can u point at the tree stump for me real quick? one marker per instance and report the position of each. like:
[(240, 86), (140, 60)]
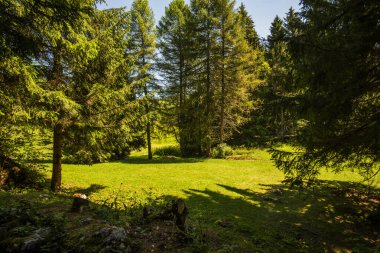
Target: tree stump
[(80, 200), (180, 213)]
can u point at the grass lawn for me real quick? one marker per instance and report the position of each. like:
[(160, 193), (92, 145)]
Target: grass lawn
[(242, 205)]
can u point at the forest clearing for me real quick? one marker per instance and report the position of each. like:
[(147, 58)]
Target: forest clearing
[(234, 206), (189, 126)]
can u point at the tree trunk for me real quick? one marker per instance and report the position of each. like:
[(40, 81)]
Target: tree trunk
[(150, 155), (223, 95), (57, 158), (208, 89)]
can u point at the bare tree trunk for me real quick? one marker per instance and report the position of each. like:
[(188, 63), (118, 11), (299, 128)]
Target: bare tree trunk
[(148, 126), (57, 158), (208, 89), (223, 94), (148, 130), (57, 79)]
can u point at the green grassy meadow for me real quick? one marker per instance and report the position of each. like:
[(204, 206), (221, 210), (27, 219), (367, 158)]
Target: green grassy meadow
[(241, 205), (234, 205)]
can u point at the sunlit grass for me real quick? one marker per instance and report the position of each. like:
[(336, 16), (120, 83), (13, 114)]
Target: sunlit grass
[(241, 192)]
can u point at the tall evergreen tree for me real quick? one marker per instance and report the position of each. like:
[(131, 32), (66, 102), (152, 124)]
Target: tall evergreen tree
[(205, 20), (280, 80), (36, 37), (175, 65), (223, 69), (248, 27), (86, 70), (143, 47), (337, 90), (236, 69)]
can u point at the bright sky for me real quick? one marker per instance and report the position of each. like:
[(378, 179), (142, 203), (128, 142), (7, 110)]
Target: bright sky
[(261, 11)]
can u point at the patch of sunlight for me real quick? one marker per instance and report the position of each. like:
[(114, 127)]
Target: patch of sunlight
[(304, 209)]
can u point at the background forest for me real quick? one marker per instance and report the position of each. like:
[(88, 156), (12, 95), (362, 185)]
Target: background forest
[(94, 85)]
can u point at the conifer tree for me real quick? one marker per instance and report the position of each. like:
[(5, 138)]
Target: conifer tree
[(143, 46), (235, 67), (175, 65), (279, 81), (337, 89), (248, 27), (86, 71), (36, 38)]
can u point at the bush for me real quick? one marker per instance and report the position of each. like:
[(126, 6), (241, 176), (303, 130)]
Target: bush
[(15, 174), (221, 151), (167, 151)]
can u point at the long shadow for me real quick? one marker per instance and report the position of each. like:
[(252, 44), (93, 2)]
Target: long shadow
[(161, 160), (93, 188), (330, 217)]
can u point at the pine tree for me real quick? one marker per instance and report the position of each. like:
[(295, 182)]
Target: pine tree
[(279, 80), (248, 27), (335, 55), (32, 31), (143, 47), (235, 69), (225, 69), (175, 65)]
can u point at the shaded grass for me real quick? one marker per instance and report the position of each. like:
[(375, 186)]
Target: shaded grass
[(241, 206)]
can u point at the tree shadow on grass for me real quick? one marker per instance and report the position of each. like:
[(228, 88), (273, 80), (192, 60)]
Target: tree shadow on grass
[(160, 160), (330, 217), (93, 188)]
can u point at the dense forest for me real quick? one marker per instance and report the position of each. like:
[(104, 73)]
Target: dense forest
[(90, 86)]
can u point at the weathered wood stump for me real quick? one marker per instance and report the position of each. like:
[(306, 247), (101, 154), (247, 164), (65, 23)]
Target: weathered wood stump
[(180, 213), (80, 200)]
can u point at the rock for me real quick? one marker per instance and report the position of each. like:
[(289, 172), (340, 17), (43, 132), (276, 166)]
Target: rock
[(34, 241), (112, 235), (225, 223), (112, 239), (116, 235), (86, 221)]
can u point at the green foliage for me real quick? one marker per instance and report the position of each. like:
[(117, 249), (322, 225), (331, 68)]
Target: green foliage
[(25, 175), (167, 151), (221, 151), (272, 119), (209, 67), (143, 47), (334, 46)]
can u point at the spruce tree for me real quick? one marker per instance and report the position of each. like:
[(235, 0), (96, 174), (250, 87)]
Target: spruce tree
[(143, 47), (335, 55), (175, 65), (33, 33), (248, 27), (236, 68)]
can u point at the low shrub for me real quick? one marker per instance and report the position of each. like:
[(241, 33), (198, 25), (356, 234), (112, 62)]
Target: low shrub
[(17, 175), (167, 151), (221, 151)]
